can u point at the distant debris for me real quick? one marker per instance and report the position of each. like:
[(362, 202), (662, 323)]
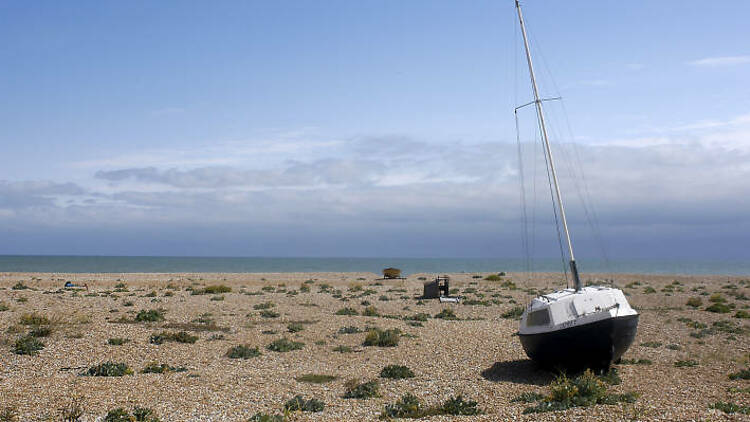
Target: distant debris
[(439, 289), (392, 273)]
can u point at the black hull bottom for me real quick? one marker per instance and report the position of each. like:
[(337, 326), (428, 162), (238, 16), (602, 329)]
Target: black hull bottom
[(596, 345)]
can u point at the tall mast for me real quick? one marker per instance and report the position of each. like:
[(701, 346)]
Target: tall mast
[(543, 129)]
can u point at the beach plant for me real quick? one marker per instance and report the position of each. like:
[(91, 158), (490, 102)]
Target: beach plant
[(458, 406), (717, 298), (117, 341), (108, 369), (396, 372), (140, 414), (347, 311), (719, 308), (243, 351), (649, 290), (118, 415), (343, 349), (365, 390), (73, 411), (584, 390), (513, 313), (446, 313), (742, 314), (528, 397), (295, 327), (382, 338), (493, 277), (371, 311), (299, 404), (349, 330), (267, 313), (177, 337), (157, 368), (3, 307), (285, 345), (19, 286), (685, 363), (729, 407), (33, 319), (263, 305), (743, 374), (212, 290), (27, 345), (316, 378), (651, 344), (409, 406), (152, 315), (41, 331), (265, 417), (694, 302)]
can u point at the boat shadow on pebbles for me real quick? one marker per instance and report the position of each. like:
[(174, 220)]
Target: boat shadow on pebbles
[(519, 372)]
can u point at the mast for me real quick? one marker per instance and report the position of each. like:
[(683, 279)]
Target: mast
[(543, 129)]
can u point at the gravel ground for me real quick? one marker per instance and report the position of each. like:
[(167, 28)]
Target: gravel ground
[(477, 356)]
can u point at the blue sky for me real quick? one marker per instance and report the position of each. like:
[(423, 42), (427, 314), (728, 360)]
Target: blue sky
[(292, 128)]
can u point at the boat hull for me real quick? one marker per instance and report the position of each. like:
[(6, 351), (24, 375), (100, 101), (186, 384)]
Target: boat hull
[(595, 345)]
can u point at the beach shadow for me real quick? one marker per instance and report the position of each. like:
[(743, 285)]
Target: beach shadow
[(519, 372)]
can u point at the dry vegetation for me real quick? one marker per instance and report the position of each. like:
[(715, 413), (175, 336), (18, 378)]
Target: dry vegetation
[(305, 347)]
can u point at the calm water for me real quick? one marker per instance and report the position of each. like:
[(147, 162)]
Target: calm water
[(163, 264)]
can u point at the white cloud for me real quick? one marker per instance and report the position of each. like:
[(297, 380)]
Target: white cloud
[(720, 61)]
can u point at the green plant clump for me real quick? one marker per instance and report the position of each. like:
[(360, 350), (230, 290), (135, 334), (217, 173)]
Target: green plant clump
[(285, 345), (694, 302), (719, 308), (108, 369), (409, 406), (156, 368), (513, 313), (266, 313), (212, 290), (584, 390), (347, 311), (382, 338), (364, 390), (117, 341), (316, 378), (265, 417), (741, 375), (446, 313), (298, 403), (153, 315), (396, 372), (685, 363), (728, 407), (140, 414), (243, 352), (27, 345), (178, 337)]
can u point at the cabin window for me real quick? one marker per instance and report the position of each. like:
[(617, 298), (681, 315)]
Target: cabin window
[(540, 317)]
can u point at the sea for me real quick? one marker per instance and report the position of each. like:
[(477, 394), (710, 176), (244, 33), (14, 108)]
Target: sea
[(184, 264)]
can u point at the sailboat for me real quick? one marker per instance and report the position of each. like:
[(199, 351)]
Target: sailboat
[(580, 327)]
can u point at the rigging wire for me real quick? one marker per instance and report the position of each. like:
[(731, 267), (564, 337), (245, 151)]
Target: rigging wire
[(525, 237), (584, 194)]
